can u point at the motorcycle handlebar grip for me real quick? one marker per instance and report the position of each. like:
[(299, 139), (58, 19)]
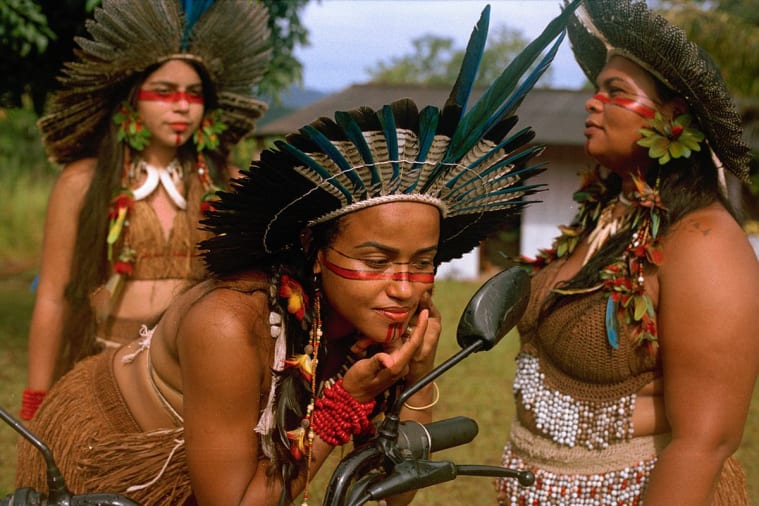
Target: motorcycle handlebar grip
[(451, 432), (420, 440)]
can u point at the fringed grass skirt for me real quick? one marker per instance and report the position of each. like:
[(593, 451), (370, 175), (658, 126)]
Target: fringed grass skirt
[(99, 447), (577, 476)]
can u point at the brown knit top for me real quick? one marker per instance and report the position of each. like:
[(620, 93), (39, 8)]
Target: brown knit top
[(175, 257), (571, 344)]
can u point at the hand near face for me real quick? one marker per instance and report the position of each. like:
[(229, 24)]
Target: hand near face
[(424, 359), (371, 376)]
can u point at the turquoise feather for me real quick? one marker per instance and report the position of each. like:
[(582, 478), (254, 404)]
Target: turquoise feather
[(475, 48), (612, 327), (355, 135), (332, 152), (472, 125), (192, 9), (306, 160)]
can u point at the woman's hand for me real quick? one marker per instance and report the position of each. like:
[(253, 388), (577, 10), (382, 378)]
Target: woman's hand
[(424, 359), (371, 376)]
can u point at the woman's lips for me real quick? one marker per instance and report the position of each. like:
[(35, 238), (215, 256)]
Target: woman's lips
[(179, 127), (394, 315)]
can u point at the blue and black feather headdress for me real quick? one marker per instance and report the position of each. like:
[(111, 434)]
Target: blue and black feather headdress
[(466, 162)]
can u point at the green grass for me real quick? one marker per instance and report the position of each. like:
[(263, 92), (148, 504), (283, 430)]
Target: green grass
[(479, 388)]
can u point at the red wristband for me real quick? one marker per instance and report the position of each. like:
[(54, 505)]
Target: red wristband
[(30, 401), (338, 416)]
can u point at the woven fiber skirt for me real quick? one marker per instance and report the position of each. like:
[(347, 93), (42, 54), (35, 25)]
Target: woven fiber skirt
[(97, 444)]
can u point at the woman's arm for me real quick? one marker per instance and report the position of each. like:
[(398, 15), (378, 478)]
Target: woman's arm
[(708, 324), (45, 339), (222, 344)]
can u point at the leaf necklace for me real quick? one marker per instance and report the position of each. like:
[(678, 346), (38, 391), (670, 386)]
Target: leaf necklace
[(623, 279)]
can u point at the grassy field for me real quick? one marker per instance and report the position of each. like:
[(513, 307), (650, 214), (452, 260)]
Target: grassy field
[(479, 388)]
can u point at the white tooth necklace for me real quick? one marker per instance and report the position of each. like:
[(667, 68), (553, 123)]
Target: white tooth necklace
[(168, 177)]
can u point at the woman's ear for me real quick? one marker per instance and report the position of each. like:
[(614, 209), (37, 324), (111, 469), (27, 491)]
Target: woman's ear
[(317, 267)]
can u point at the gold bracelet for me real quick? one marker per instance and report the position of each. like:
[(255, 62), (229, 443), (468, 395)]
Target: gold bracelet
[(426, 406)]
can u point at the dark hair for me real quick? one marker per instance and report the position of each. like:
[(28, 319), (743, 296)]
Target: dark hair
[(293, 392), (89, 264)]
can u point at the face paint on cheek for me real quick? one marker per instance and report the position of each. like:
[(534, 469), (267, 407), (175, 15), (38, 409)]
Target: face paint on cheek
[(631, 105), (394, 331), (358, 275)]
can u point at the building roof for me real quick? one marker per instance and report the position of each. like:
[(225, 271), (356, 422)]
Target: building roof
[(557, 116)]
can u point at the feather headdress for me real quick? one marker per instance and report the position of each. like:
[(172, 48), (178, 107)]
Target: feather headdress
[(603, 28), (465, 161), (229, 38)]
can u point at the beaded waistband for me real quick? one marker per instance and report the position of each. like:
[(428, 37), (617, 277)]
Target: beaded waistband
[(578, 476), (543, 453)]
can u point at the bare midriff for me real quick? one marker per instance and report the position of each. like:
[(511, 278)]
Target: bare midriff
[(649, 416), (147, 299)]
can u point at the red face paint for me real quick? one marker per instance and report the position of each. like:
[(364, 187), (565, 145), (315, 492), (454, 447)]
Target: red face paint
[(631, 105), (393, 332), (173, 96), (361, 275)]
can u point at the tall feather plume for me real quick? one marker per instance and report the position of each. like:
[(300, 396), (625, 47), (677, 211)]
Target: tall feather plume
[(475, 123), (466, 163)]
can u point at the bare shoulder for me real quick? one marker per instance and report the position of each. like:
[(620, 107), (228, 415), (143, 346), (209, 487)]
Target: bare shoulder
[(708, 248), (77, 175), (225, 313)]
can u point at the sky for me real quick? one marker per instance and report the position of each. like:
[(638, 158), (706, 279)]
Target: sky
[(349, 36)]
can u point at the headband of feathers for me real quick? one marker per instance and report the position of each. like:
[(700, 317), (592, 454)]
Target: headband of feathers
[(463, 160), (229, 38)]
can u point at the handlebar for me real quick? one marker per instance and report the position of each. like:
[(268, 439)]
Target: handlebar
[(415, 443), (58, 493)]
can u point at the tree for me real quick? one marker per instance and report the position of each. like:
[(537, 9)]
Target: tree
[(37, 36), (435, 61), (729, 31)]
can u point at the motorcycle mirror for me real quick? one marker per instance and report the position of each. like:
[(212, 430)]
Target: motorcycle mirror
[(494, 309)]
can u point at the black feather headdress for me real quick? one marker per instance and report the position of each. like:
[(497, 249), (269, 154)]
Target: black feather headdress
[(465, 161), (603, 28)]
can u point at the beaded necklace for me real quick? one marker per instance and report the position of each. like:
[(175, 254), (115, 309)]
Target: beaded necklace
[(623, 280)]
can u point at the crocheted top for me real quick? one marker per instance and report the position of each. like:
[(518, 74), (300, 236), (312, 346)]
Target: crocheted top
[(175, 256), (575, 355)]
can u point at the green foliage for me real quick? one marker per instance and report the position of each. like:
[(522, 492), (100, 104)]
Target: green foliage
[(729, 31), (23, 27), (287, 32), (435, 60), (21, 150)]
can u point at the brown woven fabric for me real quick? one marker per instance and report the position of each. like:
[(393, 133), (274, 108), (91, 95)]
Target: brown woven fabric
[(605, 27), (176, 257), (117, 331), (572, 345), (97, 444)]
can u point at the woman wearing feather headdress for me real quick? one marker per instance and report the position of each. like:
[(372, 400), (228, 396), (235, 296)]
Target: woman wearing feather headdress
[(143, 124), (639, 347), (319, 311)]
